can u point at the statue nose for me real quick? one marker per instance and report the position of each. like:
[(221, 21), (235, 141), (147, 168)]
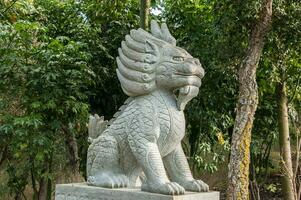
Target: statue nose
[(199, 69), (197, 61)]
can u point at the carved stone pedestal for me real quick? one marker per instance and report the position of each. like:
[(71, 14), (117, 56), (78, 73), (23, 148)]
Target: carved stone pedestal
[(80, 191)]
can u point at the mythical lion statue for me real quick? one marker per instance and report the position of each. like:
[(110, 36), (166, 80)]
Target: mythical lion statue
[(144, 137)]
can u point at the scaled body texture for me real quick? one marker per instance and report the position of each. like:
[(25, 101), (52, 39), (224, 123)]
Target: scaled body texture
[(144, 137)]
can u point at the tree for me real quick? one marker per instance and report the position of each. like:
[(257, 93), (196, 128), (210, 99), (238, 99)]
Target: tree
[(238, 187), (58, 62), (198, 26), (284, 138), (282, 60), (47, 79), (75, 44), (144, 13)]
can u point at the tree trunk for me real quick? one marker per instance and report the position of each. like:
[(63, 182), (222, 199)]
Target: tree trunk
[(43, 189), (49, 181), (71, 144), (3, 154), (144, 13), (284, 142), (238, 186), (35, 195), (43, 193), (74, 162)]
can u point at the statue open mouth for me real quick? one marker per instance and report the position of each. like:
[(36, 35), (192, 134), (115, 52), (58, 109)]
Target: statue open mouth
[(200, 75), (186, 93)]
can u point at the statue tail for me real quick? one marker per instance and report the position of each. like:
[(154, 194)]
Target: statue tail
[(96, 126)]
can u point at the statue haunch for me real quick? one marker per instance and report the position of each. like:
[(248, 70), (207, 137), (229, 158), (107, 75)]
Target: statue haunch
[(144, 137)]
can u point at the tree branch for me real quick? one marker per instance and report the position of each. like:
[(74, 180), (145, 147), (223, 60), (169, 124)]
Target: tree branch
[(8, 7)]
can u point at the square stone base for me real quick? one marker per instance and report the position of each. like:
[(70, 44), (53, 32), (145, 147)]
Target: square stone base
[(81, 191)]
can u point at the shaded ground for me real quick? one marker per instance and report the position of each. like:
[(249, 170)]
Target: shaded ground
[(270, 190)]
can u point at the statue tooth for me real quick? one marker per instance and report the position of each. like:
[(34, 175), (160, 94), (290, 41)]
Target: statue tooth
[(186, 93)]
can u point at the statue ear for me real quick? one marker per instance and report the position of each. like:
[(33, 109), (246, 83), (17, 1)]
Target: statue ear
[(167, 36), (151, 47), (155, 29)]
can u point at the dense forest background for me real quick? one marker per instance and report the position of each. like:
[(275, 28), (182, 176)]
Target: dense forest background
[(57, 66)]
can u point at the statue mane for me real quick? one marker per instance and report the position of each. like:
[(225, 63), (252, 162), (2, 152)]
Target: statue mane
[(138, 58)]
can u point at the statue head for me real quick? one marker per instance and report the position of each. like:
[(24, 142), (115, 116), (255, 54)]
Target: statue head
[(150, 61)]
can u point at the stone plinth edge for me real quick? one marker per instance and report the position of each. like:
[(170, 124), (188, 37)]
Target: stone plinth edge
[(81, 191)]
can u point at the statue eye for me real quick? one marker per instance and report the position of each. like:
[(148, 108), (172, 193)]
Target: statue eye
[(178, 58)]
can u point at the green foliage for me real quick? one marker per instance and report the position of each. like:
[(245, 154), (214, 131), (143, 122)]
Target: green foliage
[(210, 156), (201, 30), (281, 56), (58, 64), (217, 32), (44, 90), (272, 187), (58, 57), (112, 20)]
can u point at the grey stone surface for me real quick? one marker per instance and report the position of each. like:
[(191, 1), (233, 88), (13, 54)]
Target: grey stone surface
[(80, 191), (144, 137)]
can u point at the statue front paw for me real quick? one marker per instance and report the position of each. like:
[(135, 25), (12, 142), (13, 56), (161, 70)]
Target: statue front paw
[(108, 180), (169, 188), (195, 186)]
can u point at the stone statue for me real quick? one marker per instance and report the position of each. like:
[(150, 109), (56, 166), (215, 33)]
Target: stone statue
[(144, 136)]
